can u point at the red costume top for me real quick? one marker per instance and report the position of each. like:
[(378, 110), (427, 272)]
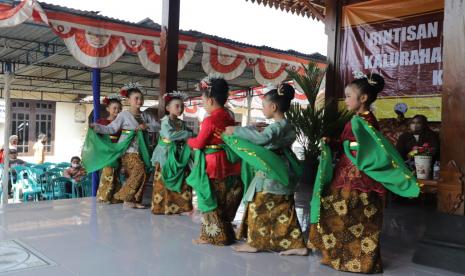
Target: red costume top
[(114, 137), (218, 166), (346, 174)]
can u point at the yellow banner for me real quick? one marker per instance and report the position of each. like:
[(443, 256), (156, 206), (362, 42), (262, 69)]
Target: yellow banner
[(430, 106)]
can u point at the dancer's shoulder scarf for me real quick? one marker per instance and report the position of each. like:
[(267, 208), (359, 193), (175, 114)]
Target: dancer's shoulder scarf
[(376, 157), (99, 151), (173, 170)]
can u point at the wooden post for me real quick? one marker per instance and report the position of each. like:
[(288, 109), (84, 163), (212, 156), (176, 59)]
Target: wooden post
[(333, 31), (453, 101), (169, 41)]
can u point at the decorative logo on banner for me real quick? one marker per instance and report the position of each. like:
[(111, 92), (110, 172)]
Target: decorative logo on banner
[(402, 41)]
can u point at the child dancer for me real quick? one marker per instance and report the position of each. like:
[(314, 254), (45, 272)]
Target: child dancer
[(213, 176), (270, 220), (133, 119), (109, 182), (351, 214), (170, 194)]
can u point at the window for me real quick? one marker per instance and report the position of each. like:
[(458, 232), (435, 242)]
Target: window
[(29, 119)]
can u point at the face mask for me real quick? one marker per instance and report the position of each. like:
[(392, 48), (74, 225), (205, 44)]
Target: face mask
[(74, 165)]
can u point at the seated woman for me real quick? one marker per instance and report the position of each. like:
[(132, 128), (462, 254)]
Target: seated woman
[(76, 171), (418, 135)]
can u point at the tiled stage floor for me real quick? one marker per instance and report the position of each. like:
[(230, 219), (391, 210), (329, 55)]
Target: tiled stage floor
[(85, 238)]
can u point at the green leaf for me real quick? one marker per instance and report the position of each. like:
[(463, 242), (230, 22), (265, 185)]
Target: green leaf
[(312, 123)]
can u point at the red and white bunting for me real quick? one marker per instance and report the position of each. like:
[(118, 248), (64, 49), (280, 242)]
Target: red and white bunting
[(238, 98), (99, 47), (13, 16), (222, 60), (232, 61), (99, 43), (149, 55)]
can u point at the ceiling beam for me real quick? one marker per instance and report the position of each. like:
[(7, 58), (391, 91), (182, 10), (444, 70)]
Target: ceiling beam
[(313, 10)]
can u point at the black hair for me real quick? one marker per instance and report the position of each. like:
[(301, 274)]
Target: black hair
[(421, 117), (75, 158), (282, 96), (169, 100), (218, 90), (133, 90), (371, 86), (113, 100)]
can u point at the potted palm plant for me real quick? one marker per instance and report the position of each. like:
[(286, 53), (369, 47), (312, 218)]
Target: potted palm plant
[(311, 122)]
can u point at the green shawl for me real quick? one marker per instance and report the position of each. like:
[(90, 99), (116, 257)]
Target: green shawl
[(376, 157), (174, 168), (323, 178), (99, 152), (198, 180), (257, 158), (254, 157)]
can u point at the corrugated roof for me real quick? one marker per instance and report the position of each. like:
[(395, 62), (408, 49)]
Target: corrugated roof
[(150, 24), (43, 63)]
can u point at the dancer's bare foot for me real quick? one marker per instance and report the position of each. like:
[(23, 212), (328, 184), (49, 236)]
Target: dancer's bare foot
[(139, 206), (134, 205), (199, 241), (128, 204), (115, 201), (244, 248), (298, 252)]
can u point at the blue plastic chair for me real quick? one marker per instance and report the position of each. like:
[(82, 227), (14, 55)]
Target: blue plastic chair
[(38, 174), (64, 165), (27, 185), (47, 191), (16, 176), (60, 185), (48, 188), (49, 165), (41, 167), (83, 188), (55, 171)]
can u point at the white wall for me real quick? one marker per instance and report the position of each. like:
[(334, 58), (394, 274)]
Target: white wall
[(69, 135)]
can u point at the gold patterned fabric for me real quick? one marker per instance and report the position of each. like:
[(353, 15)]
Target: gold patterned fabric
[(216, 226), (168, 202), (348, 234), (133, 188), (270, 223), (108, 186)]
